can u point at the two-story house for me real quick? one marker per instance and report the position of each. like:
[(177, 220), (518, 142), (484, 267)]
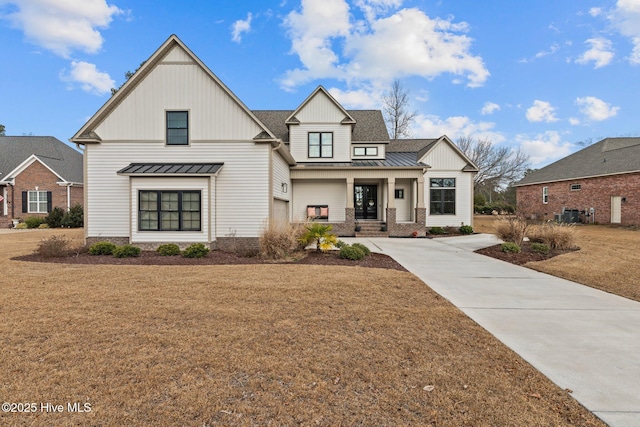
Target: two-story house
[(175, 156)]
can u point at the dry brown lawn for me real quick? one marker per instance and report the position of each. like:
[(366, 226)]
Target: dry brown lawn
[(254, 345), (608, 259)]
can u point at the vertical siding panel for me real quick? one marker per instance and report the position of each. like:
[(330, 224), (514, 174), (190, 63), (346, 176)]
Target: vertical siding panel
[(315, 192), (298, 142)]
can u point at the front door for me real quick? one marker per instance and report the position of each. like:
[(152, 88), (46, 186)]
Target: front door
[(366, 201), (616, 209)]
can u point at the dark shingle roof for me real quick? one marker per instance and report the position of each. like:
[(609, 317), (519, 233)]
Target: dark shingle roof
[(369, 127), (392, 160), (171, 169), (58, 156), (607, 157)]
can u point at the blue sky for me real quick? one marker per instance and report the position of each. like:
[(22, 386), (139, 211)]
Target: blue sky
[(543, 76)]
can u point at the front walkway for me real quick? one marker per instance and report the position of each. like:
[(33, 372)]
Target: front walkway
[(581, 338)]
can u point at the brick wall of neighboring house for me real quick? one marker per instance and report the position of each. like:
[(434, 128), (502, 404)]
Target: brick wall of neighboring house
[(77, 195), (37, 175), (594, 193)]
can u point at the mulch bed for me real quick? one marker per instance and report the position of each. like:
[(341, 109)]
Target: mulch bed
[(375, 260), (526, 254)]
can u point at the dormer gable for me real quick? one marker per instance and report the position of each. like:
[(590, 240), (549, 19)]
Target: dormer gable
[(320, 107)]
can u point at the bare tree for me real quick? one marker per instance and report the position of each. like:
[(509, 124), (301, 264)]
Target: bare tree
[(497, 166), (396, 113)]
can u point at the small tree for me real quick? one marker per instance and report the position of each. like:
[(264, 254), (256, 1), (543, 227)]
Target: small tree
[(74, 217), (2, 130), (319, 234)]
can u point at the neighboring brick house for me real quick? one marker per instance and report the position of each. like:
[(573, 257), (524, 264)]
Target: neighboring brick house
[(37, 173), (600, 183)]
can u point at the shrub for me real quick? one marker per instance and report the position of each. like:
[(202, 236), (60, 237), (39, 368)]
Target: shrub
[(511, 229), (74, 217), (126, 251), (365, 250), (43, 225), (556, 236), (21, 226), (34, 221), (510, 247), (540, 248), (437, 230), (54, 219), (197, 250), (319, 234), (168, 249), (102, 248), (54, 246), (466, 229), (339, 244), (352, 253), (280, 239)]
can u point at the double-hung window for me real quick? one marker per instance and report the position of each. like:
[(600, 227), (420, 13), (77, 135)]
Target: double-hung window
[(169, 211), (37, 202), (442, 196), (321, 144), (545, 195), (177, 128)]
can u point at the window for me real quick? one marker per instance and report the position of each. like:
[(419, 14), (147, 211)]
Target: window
[(442, 196), (545, 195), (365, 151), (38, 202), (169, 211), (576, 187), (400, 193), (320, 144), (177, 128)]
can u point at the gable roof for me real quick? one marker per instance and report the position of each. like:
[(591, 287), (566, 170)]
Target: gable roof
[(292, 117), (611, 156), (369, 124), (61, 159), (421, 147), (86, 134)]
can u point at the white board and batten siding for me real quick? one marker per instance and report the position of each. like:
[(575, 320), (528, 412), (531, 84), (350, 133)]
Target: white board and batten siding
[(404, 206), (447, 163), (319, 192), (241, 203), (281, 182), (177, 83)]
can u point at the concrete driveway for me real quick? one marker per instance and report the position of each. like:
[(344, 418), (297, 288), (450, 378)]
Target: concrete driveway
[(583, 339)]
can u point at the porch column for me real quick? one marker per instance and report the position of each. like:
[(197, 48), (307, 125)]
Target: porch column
[(391, 192), (350, 193), (421, 192)]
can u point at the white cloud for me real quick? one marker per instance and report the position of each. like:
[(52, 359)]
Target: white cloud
[(541, 111), (596, 109), (552, 49), (330, 44), (489, 108), (454, 127), (601, 52), (62, 26), (365, 99), (239, 27), (573, 121), (595, 11), (89, 78), (625, 17), (544, 148)]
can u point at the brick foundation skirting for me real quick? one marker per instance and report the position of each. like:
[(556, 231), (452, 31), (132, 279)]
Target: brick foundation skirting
[(406, 229)]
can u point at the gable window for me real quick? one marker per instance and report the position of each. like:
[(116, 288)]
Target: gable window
[(321, 144), (442, 196), (177, 128), (169, 211), (365, 151), (37, 201), (576, 187), (545, 195)]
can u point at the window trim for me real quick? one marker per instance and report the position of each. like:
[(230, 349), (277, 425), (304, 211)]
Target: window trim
[(167, 128), (159, 210), (320, 145), (38, 201), (545, 195), (575, 187), (442, 188), (366, 149)]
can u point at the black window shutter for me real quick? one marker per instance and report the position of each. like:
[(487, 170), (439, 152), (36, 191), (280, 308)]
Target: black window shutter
[(49, 201), (25, 201)]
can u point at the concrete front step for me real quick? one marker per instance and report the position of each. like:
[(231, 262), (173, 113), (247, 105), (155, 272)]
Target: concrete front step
[(363, 233)]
